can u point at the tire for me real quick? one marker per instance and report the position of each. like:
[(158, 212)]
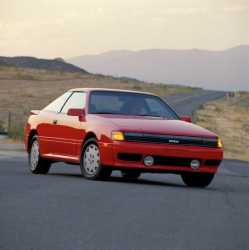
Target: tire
[(197, 179), (37, 165), (130, 174), (90, 163)]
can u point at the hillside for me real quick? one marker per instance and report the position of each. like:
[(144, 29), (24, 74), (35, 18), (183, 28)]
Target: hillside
[(219, 70), (229, 118), (23, 89), (57, 64)]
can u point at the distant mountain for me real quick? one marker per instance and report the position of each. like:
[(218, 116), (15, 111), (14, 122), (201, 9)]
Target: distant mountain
[(220, 70), (57, 64)]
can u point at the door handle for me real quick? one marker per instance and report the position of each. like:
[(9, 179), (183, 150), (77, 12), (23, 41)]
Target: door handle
[(55, 122)]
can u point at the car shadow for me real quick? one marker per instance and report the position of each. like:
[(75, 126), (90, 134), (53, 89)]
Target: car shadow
[(74, 175), (141, 181)]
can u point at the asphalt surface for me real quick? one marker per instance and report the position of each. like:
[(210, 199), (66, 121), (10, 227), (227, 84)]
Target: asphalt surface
[(62, 210), (186, 104)]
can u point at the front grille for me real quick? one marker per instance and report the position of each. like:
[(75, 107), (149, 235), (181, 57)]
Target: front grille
[(171, 139)]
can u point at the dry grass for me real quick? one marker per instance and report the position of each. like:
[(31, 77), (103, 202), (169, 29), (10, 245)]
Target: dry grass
[(229, 118), (24, 89)]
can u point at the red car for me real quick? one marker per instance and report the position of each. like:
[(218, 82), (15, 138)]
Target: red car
[(134, 132)]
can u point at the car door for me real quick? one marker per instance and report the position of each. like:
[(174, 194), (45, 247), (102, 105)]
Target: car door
[(46, 129), (69, 129)]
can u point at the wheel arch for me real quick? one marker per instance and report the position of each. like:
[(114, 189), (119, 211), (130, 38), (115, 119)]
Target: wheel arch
[(88, 136)]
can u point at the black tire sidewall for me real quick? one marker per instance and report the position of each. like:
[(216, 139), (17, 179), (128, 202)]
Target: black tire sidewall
[(197, 179)]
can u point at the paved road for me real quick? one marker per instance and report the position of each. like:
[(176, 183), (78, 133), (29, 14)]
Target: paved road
[(186, 104), (64, 211)]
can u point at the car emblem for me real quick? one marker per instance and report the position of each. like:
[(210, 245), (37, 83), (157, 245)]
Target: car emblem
[(173, 141)]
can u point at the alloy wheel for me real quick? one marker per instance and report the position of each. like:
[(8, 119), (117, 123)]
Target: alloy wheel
[(34, 155), (91, 159)]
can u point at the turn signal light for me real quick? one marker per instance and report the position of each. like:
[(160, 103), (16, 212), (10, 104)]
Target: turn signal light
[(118, 136), (219, 143)]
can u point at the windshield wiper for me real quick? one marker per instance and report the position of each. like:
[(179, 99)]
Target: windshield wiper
[(111, 113), (105, 113), (152, 116)]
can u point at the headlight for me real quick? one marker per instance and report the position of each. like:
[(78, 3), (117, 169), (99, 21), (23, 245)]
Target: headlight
[(219, 143), (117, 136)]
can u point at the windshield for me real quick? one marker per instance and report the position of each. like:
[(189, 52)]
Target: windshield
[(128, 103)]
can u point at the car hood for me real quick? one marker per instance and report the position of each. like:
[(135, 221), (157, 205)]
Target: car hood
[(157, 126)]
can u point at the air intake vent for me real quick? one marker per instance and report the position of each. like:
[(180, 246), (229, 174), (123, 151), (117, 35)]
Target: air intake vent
[(129, 157)]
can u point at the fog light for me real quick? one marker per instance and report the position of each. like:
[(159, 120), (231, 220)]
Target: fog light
[(148, 160), (195, 164)]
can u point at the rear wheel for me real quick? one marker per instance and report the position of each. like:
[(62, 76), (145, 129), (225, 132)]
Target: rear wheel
[(130, 174), (90, 163), (197, 179), (37, 165)]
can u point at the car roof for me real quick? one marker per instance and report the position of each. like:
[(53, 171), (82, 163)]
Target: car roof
[(106, 89)]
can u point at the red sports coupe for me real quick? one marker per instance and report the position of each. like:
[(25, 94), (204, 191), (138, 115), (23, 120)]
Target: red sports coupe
[(134, 132)]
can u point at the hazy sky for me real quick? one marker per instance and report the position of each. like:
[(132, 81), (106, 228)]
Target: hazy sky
[(65, 28)]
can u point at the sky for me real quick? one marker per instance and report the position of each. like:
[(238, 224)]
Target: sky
[(67, 28)]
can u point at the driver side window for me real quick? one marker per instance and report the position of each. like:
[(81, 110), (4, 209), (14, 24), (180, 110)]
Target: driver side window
[(76, 101)]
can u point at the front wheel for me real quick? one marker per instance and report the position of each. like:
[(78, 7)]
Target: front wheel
[(197, 179), (90, 163), (37, 165)]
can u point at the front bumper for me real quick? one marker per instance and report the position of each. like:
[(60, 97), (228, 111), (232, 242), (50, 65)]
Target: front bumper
[(168, 158)]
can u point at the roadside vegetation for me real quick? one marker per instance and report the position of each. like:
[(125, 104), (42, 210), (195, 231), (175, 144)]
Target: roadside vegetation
[(229, 118), (23, 89)]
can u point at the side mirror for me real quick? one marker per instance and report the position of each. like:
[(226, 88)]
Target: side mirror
[(77, 112), (186, 118)]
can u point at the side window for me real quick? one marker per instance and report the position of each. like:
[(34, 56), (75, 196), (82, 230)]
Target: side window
[(58, 103), (76, 101)]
